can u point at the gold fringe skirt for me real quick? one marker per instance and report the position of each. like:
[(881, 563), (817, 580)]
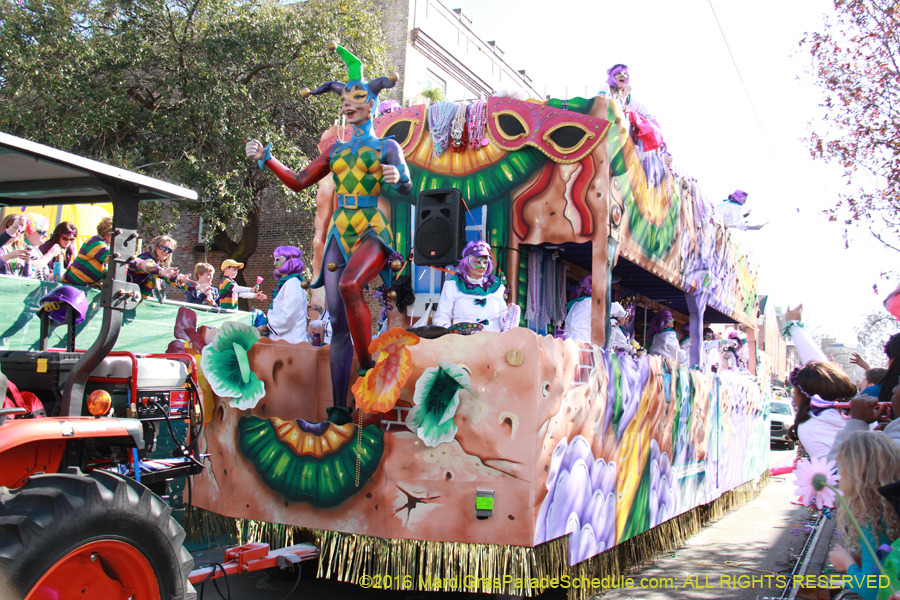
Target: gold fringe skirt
[(467, 567)]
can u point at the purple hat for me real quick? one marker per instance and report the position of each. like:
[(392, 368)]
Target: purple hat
[(478, 248), (686, 329), (472, 249), (58, 302), (738, 196)]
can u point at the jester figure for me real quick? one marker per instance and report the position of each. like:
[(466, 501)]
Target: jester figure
[(359, 241)]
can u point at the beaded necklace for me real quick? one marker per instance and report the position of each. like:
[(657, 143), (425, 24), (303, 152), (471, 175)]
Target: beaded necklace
[(533, 300), (440, 120), (458, 129), (477, 124)]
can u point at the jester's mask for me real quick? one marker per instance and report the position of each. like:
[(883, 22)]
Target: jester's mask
[(357, 90)]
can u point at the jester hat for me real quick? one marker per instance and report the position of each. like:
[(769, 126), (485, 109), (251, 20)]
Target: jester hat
[(355, 77)]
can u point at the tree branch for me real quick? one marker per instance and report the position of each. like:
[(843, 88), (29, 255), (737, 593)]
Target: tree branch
[(261, 67)]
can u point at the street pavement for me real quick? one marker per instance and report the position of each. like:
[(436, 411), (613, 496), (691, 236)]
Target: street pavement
[(740, 557)]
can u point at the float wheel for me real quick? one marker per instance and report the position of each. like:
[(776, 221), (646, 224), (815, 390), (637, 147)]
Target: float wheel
[(100, 535)]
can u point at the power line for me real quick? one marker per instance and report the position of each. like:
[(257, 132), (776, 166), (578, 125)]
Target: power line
[(746, 91)]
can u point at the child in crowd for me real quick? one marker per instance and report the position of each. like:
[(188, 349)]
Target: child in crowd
[(230, 291), (92, 261), (866, 461), (871, 385), (36, 228), (204, 293)]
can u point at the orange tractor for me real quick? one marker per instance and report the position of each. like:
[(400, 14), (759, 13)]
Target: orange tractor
[(78, 514)]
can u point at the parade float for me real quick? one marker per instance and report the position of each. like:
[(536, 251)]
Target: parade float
[(494, 462)]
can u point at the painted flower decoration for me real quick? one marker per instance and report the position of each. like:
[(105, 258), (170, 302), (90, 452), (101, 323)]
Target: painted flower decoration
[(815, 479), (189, 339), (437, 398), (227, 367), (379, 390)]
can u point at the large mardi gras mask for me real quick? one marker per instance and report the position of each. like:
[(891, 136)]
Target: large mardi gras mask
[(356, 91)]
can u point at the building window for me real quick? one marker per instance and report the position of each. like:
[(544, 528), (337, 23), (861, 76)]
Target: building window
[(433, 81)]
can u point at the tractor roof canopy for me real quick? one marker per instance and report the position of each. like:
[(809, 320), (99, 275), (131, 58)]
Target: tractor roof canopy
[(32, 174)]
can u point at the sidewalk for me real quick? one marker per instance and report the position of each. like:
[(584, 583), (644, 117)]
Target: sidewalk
[(738, 556)]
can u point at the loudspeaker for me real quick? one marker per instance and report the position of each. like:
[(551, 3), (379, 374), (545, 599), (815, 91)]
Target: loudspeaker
[(440, 228)]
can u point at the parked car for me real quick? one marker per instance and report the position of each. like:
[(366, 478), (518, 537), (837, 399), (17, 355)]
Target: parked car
[(781, 417)]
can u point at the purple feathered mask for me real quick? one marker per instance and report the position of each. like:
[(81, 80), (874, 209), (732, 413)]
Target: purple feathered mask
[(738, 196), (612, 72), (293, 263), (473, 249)]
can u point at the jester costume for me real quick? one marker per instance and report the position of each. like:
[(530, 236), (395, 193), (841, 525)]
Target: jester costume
[(359, 236)]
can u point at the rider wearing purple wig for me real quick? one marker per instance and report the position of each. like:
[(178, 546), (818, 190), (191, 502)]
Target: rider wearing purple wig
[(578, 312), (287, 313), (475, 294), (662, 330)]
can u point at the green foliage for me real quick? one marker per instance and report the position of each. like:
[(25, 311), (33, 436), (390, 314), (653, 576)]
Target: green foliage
[(433, 95), (855, 60), (174, 88)]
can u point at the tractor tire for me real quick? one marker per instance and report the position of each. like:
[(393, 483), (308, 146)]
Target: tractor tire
[(99, 532)]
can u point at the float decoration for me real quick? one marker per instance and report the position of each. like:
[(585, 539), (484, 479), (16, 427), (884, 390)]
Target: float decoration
[(227, 367), (310, 462), (436, 399), (379, 389)]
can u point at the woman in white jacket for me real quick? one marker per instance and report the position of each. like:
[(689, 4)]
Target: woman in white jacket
[(817, 383), (665, 340), (287, 313), (475, 294)]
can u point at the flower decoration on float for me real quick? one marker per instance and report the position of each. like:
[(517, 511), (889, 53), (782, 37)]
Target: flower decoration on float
[(190, 339), (378, 390), (436, 400), (227, 367), (311, 462)]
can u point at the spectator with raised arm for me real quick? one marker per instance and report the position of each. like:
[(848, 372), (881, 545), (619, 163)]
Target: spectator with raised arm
[(154, 266), (817, 383)]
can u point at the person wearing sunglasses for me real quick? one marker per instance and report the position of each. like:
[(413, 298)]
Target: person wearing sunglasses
[(63, 236), (14, 256), (475, 294), (36, 227), (154, 266)]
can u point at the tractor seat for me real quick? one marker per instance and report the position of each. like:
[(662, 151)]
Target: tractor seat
[(152, 372)]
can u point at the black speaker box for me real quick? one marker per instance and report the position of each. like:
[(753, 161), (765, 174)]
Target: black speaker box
[(440, 228)]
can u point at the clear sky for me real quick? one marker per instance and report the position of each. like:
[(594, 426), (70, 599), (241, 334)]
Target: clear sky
[(681, 70)]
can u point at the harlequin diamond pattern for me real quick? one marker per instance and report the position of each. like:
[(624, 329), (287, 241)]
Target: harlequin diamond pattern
[(341, 222), (359, 174)]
